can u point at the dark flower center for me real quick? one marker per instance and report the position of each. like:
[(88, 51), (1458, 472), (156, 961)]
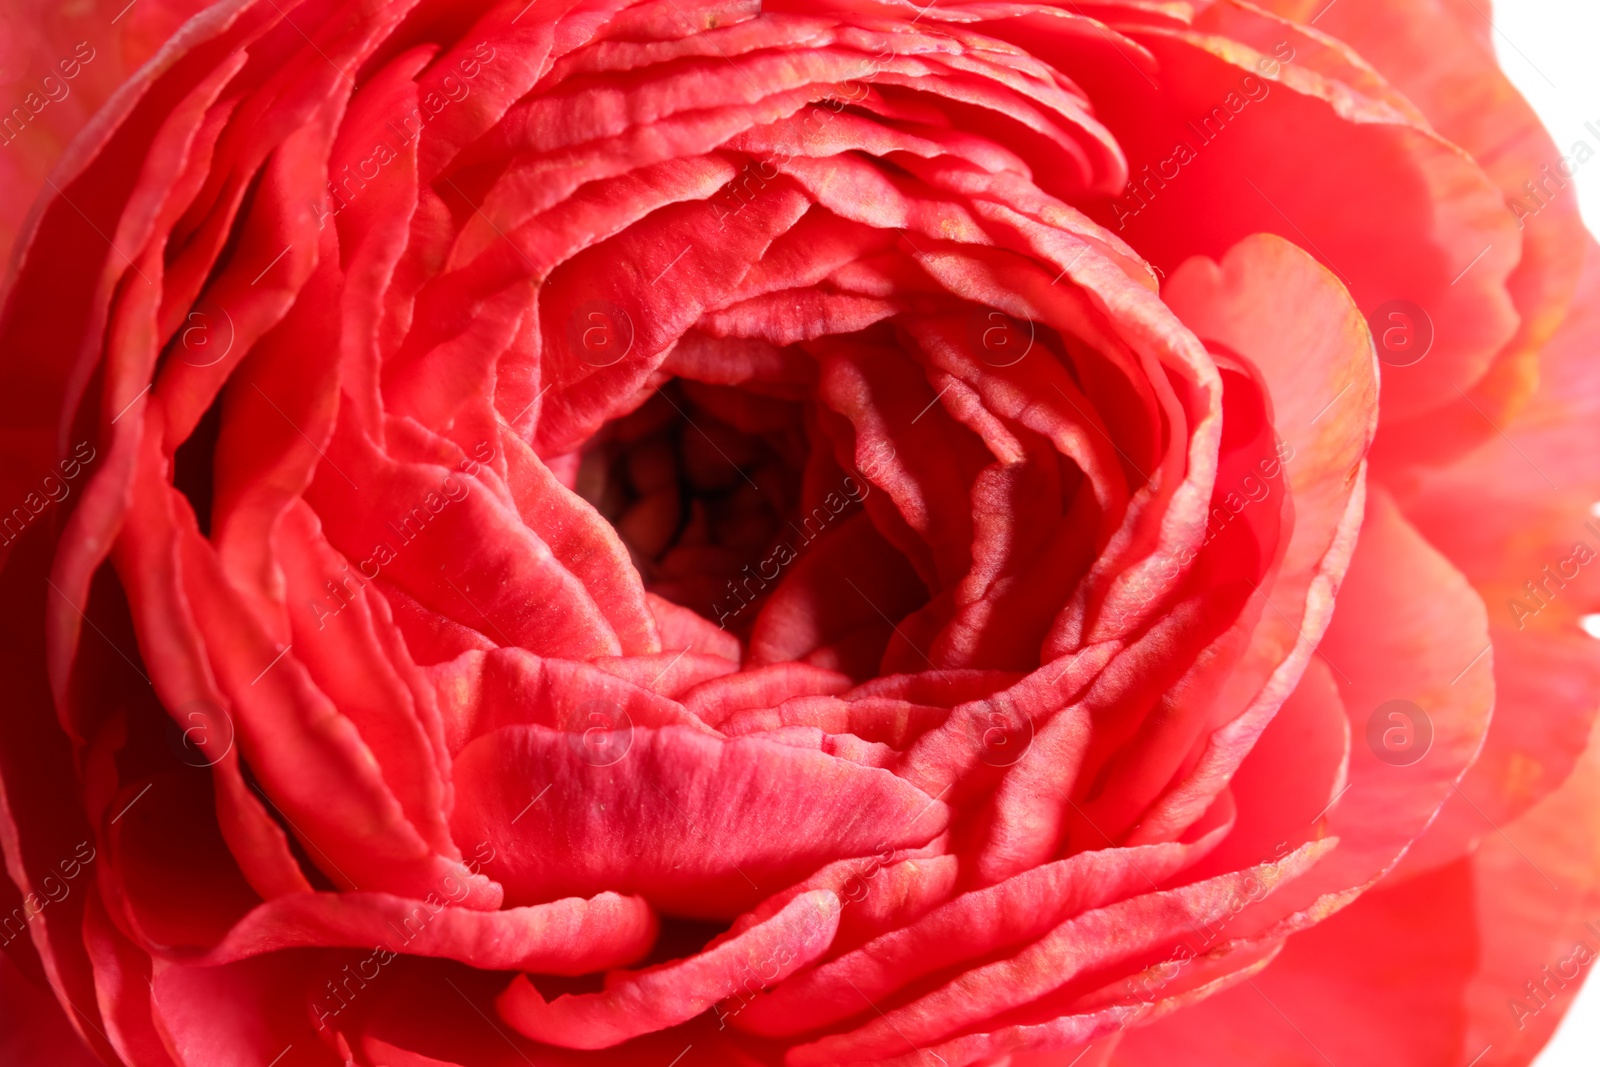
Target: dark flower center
[(703, 484)]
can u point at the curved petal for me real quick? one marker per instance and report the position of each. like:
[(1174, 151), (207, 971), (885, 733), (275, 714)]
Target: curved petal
[(695, 824), (1321, 373), (634, 1004), (572, 936)]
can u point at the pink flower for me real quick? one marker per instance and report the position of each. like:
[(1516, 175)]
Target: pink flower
[(807, 533)]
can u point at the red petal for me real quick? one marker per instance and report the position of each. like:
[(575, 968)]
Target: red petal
[(673, 993), (644, 824)]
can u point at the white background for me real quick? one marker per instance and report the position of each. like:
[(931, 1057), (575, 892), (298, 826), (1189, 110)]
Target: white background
[(1551, 50)]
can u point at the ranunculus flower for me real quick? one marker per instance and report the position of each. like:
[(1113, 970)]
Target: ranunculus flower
[(819, 532)]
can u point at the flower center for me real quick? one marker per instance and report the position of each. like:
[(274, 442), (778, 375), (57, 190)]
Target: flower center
[(703, 485)]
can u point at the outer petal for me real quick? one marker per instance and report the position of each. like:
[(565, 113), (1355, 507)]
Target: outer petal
[(1518, 518), (72, 58), (1440, 54), (1380, 984), (1474, 962), (1380, 174), (1530, 932), (1408, 628), (33, 1031)]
